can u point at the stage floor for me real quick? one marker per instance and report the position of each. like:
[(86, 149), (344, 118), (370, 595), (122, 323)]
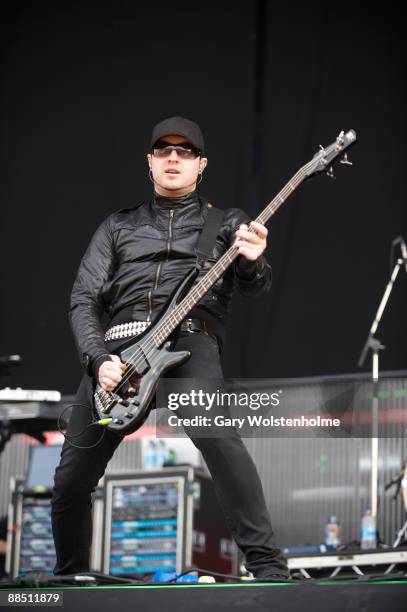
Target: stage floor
[(335, 596)]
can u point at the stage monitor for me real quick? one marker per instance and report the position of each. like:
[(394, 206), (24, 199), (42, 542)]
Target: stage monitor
[(41, 467)]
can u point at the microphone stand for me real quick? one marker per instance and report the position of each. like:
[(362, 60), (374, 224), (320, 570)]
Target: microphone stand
[(375, 346)]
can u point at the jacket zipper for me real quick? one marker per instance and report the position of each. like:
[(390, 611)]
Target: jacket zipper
[(169, 233), (157, 274), (150, 305)]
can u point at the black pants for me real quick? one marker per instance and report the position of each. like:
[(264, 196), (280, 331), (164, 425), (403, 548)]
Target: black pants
[(235, 477)]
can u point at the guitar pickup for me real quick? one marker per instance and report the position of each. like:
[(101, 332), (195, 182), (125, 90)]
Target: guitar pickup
[(136, 360)]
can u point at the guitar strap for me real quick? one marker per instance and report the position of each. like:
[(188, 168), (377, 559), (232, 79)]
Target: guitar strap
[(207, 239)]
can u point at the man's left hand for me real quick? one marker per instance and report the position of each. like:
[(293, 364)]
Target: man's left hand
[(251, 244)]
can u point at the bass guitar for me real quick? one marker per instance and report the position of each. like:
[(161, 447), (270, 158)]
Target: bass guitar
[(150, 355)]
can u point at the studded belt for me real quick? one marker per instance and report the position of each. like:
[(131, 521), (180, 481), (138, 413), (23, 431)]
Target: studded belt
[(134, 328), (125, 330)]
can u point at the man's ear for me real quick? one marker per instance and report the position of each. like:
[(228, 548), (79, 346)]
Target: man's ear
[(149, 160), (203, 163)]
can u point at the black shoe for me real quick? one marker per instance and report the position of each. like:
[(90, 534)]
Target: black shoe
[(273, 578)]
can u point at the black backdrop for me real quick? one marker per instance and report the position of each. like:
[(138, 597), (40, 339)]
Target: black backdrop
[(82, 84)]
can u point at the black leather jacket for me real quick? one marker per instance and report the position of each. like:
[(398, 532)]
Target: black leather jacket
[(139, 255)]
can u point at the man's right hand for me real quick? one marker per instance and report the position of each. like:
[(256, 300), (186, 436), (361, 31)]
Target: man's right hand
[(110, 373)]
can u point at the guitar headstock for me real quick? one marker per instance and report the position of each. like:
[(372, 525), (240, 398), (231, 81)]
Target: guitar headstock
[(322, 160)]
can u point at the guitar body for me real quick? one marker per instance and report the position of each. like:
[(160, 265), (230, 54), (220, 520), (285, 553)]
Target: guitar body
[(135, 399), (130, 403)]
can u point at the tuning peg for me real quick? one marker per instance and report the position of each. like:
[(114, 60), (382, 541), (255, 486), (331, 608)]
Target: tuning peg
[(340, 141), (322, 153), (345, 160), (330, 173)]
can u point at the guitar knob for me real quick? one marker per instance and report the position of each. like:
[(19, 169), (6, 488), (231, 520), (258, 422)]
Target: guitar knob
[(123, 402), (128, 415), (118, 421)]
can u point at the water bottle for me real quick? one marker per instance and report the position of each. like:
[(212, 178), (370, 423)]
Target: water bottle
[(151, 455), (332, 533), (368, 530)]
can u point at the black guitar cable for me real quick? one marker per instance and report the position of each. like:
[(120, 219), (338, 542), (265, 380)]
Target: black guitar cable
[(68, 438)]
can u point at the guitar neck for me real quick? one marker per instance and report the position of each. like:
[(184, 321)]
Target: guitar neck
[(172, 320)]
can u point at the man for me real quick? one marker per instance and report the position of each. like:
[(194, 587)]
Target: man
[(133, 263)]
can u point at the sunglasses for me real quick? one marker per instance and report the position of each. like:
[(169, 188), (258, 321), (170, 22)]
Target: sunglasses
[(184, 152)]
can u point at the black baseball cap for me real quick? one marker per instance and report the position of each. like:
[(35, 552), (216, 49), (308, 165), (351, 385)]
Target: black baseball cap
[(182, 127)]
